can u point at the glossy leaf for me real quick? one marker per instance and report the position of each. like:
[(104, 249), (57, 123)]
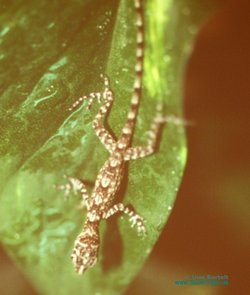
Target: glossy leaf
[(51, 53)]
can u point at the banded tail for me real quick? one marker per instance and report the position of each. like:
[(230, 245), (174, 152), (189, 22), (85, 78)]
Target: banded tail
[(136, 96)]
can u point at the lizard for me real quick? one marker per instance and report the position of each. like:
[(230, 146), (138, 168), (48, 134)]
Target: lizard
[(101, 204)]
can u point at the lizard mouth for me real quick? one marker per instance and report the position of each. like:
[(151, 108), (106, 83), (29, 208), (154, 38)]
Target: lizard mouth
[(85, 252)]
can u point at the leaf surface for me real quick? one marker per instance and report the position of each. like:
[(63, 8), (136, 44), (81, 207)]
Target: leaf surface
[(51, 53)]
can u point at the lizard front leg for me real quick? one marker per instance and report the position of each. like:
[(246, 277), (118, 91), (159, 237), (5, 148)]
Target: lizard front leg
[(134, 218), (75, 185)]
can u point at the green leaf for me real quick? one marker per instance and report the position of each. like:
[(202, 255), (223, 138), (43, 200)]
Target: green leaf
[(51, 53)]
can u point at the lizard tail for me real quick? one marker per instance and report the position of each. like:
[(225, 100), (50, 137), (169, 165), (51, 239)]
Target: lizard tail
[(135, 100)]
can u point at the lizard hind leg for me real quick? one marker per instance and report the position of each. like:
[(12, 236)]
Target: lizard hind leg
[(91, 97), (159, 120), (106, 98), (134, 153), (101, 131)]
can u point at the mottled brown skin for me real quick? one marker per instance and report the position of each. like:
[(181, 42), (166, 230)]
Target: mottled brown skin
[(101, 204)]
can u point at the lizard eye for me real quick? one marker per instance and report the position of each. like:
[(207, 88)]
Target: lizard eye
[(85, 254)]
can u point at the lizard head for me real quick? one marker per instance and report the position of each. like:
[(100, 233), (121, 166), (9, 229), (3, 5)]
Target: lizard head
[(85, 252)]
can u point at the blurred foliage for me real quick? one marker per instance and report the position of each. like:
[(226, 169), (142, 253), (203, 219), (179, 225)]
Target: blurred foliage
[(50, 54)]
